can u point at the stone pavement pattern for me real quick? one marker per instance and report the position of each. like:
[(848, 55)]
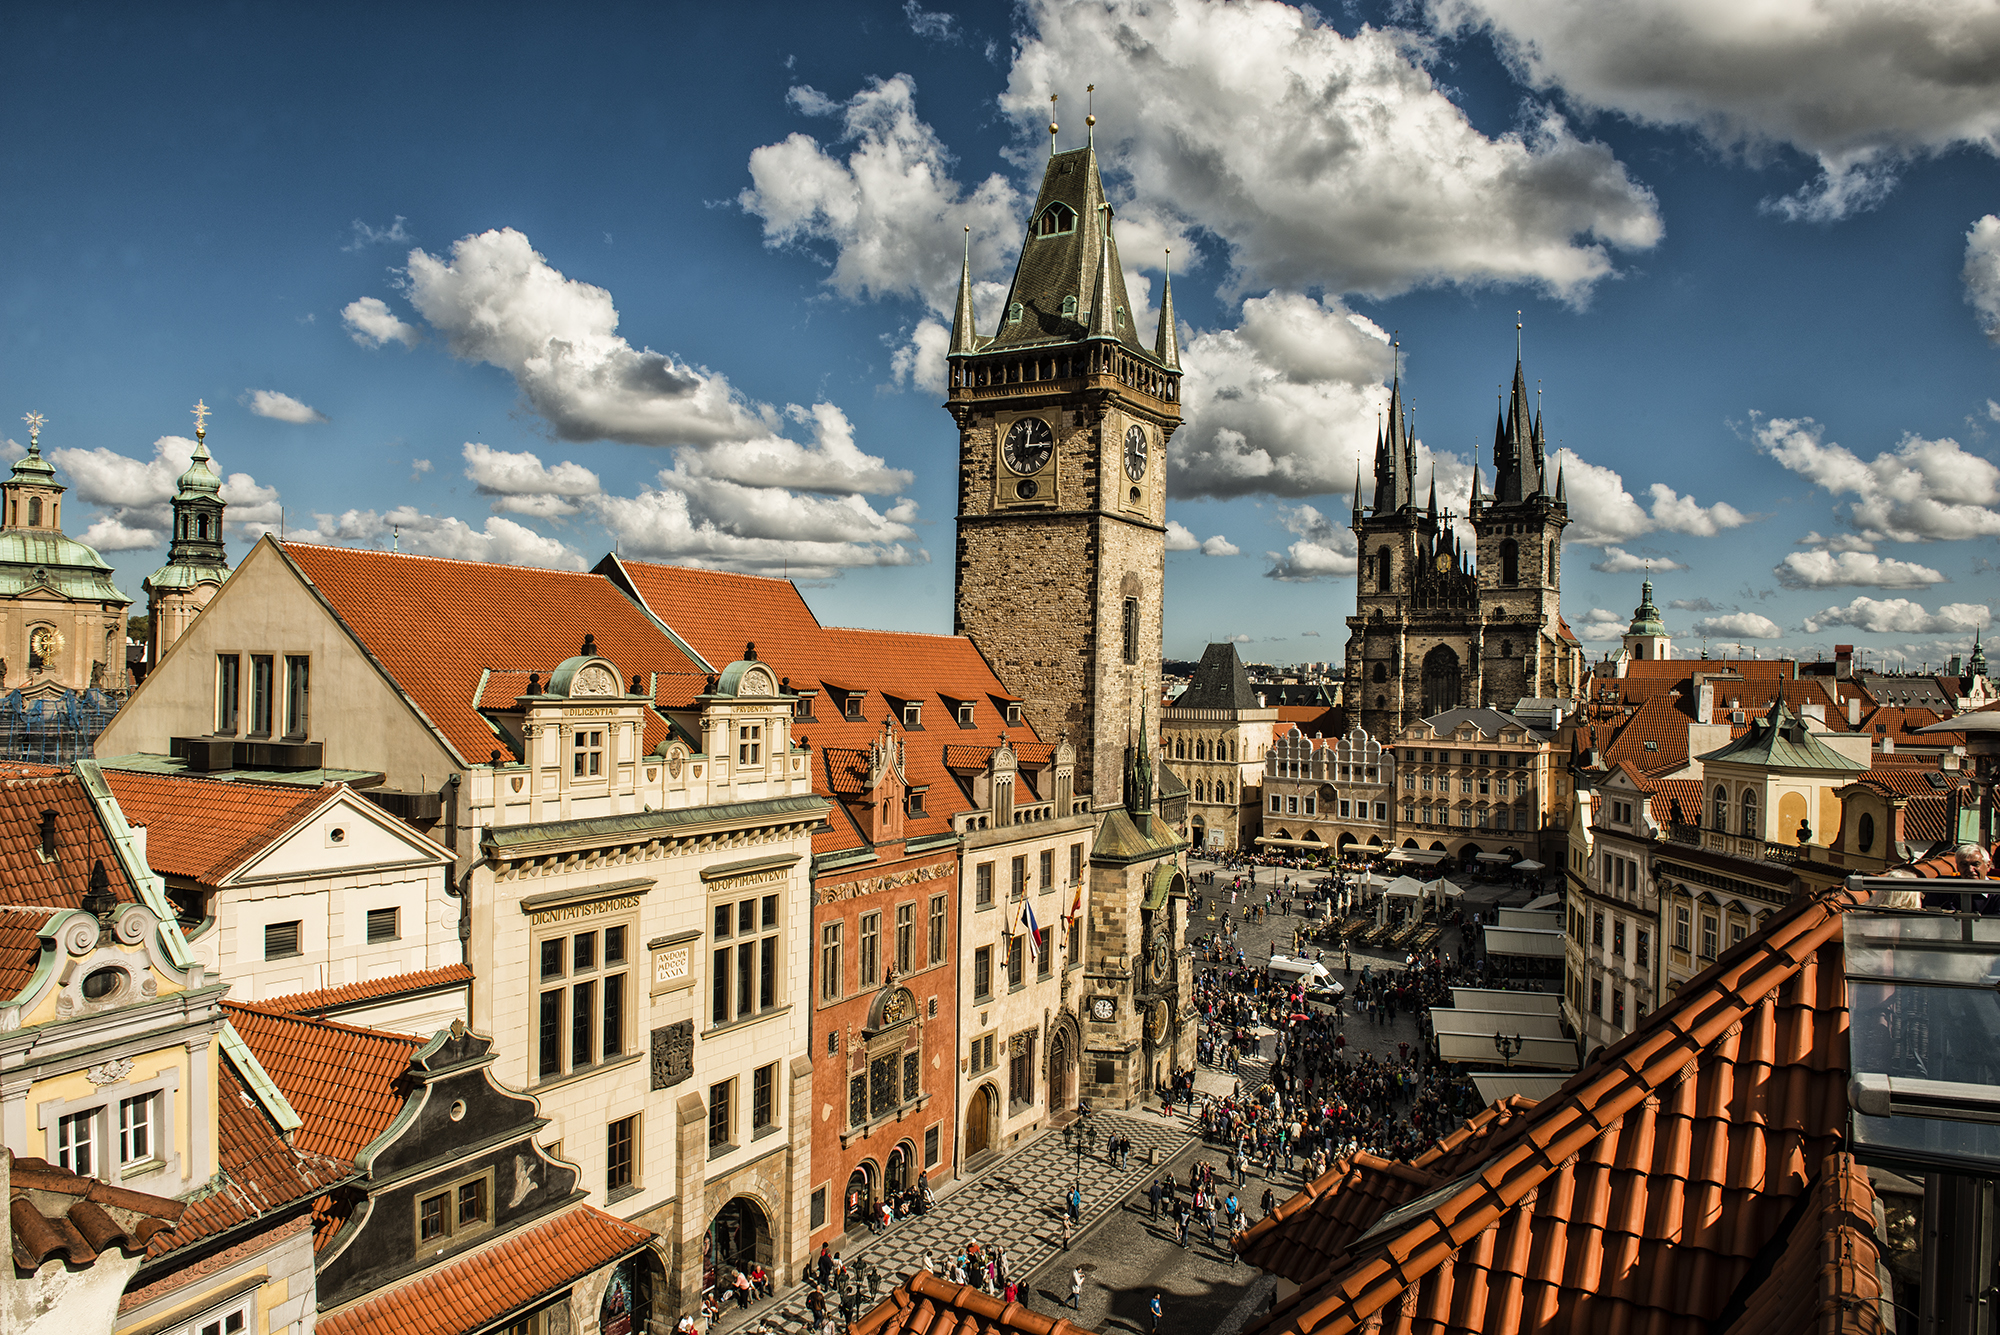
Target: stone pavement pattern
[(1016, 1204)]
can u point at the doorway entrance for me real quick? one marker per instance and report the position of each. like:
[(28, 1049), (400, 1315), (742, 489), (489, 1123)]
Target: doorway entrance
[(739, 1236), (979, 1114)]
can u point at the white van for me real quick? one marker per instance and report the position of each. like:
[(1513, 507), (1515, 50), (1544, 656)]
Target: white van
[(1287, 970)]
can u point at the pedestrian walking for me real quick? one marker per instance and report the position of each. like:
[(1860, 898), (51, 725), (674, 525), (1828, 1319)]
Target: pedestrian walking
[(1153, 1193), (1154, 1308), (1076, 1289)]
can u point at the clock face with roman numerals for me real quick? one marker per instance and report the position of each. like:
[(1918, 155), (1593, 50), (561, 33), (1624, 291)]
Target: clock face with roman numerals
[(1135, 452), (1029, 444)]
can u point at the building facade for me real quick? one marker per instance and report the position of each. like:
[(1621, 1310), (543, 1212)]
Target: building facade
[(1473, 781), (1443, 619), (1329, 794), (62, 620), (1214, 737)]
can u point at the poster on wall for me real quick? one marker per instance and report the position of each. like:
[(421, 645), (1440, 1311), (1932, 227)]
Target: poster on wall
[(614, 1315)]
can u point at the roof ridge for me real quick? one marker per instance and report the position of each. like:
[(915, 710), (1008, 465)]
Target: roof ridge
[(266, 1009), (704, 570), (426, 556)]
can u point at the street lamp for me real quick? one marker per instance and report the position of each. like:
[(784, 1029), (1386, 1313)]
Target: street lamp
[(1510, 1047), (1082, 1125)]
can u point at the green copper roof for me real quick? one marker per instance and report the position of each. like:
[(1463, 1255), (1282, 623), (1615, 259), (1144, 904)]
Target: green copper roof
[(173, 575), (1646, 617), (1781, 740), (32, 557), (32, 467), (200, 479)]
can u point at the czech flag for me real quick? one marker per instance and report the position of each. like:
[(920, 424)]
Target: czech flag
[(1033, 929)]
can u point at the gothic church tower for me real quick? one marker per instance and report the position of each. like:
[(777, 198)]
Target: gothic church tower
[(1063, 417)]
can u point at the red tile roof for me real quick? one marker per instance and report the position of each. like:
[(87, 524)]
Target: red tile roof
[(57, 1213), (437, 625), (25, 878), (204, 829), (260, 1171), (478, 1289), (923, 1304), (348, 995), (20, 947), (1827, 1280), (345, 1082), (1639, 1195)]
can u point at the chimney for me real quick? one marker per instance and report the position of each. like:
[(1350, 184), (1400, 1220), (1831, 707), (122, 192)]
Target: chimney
[(48, 836), (1854, 711), (1843, 661)]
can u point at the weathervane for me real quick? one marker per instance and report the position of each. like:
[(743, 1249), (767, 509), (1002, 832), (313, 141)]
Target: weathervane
[(200, 411), (34, 421)]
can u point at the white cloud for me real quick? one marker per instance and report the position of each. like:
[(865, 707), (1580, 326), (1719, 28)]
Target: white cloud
[(371, 323), (1323, 551), (932, 24), (1693, 605), (524, 485), (1219, 546), (1836, 570), (1603, 512), (1180, 538), (1922, 491), (1321, 160), (135, 495), (1746, 625), (1837, 542), (283, 407), (364, 235), (1600, 624), (723, 526), (1900, 616), (411, 530), (1861, 86), (1992, 411), (11, 449), (1982, 281), (1618, 561)]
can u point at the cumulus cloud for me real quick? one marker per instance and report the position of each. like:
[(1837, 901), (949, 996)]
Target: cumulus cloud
[(1921, 491), (1324, 550), (499, 540), (1900, 616), (1741, 625), (524, 485), (1321, 160), (1180, 538), (1600, 624), (1837, 542), (1836, 570), (134, 496), (371, 323), (1603, 512), (283, 407), (1982, 280), (724, 526), (931, 24), (1618, 561), (1860, 86)]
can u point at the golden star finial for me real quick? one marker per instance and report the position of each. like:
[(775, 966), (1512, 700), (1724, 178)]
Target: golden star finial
[(200, 411), (34, 421)]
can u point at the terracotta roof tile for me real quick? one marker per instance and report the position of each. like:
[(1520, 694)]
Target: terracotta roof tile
[(346, 1082), (55, 1212), (1826, 1280), (1639, 1195), (205, 829), (1303, 1234), (436, 625), (923, 1304), (25, 877), (478, 1289), (323, 1000), (20, 947), (1927, 819)]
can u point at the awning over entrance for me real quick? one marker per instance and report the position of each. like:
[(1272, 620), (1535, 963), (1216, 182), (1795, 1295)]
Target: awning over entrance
[(1531, 944), (1496, 857), (1423, 857), (1313, 845)]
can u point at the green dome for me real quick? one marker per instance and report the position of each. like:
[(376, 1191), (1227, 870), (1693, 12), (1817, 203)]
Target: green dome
[(32, 467), (31, 557), (200, 479), (1646, 617)]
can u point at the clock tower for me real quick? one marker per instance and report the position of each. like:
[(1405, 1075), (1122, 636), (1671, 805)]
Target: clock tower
[(1063, 418)]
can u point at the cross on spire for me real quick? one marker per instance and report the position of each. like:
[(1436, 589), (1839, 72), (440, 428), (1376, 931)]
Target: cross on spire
[(201, 412), (34, 421)]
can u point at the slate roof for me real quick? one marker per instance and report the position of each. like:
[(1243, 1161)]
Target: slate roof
[(369, 991), (204, 829), (478, 1289), (715, 612), (56, 1213), (924, 1304), (81, 842), (345, 1082), (1490, 722), (437, 625), (1640, 1195), (1220, 682)]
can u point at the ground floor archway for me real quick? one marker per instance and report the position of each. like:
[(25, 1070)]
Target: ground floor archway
[(981, 1111), (859, 1196), (738, 1237), (899, 1169), (1062, 1071)]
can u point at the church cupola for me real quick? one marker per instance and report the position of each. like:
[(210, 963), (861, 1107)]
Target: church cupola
[(1646, 637), (197, 561), (33, 497)]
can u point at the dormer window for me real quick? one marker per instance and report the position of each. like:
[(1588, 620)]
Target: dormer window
[(587, 760), (913, 804), (850, 706), (1013, 715), (913, 714), (1014, 312), (1056, 220), (1069, 308), (965, 716)]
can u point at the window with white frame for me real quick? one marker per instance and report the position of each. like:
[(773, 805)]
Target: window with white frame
[(587, 755)]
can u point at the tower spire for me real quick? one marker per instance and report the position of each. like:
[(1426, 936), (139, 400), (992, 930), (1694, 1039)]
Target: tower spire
[(964, 334), (1167, 346), (1107, 288), (1090, 115)]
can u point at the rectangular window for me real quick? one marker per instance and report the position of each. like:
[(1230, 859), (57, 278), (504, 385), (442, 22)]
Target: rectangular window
[(763, 1104), (719, 989), (431, 1217), (982, 972), (582, 1019), (262, 674), (982, 885), (76, 1142), (1618, 1007), (746, 978), (819, 1209), (1381, 811), (913, 714), (1021, 1069), (1597, 930), (135, 1128), (1292, 805), (750, 744), (228, 690), (767, 973), (965, 716), (281, 939), (850, 705), (871, 949), (1131, 630), (1618, 938), (1736, 932), (1044, 957), (298, 677), (587, 754), (931, 1140), (619, 1142), (937, 930), (1075, 863), (1680, 928), (1708, 936), (719, 1115), (1017, 884), (1048, 869), (1596, 998), (906, 937), (471, 1203), (550, 1055), (382, 925), (829, 962), (1277, 805), (1016, 949), (1642, 956), (724, 916), (614, 1016), (913, 802), (1075, 956)]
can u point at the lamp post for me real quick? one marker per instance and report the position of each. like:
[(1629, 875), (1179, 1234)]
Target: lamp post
[(1082, 1125), (1509, 1047)]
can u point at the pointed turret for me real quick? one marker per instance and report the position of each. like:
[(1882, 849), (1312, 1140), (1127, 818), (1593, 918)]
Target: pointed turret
[(1395, 456), (1434, 495), (1562, 497), (1977, 664), (1516, 473), (1472, 506), (964, 334), (1355, 512), (1107, 311), (1167, 345)]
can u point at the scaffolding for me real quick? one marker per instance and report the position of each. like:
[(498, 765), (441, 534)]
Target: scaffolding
[(54, 730)]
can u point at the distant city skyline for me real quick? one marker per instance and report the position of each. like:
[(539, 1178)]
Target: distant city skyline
[(668, 284)]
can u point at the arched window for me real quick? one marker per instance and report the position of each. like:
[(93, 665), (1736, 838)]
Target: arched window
[(1381, 672), (1639, 651), (1441, 680), (1510, 562), (1198, 791), (1056, 219), (1232, 748), (201, 526), (1381, 702), (1750, 811), (1014, 312), (1506, 648), (1069, 307), (1180, 748), (1721, 805)]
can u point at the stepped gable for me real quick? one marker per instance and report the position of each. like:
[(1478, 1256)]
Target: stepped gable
[(923, 1304), (346, 1082), (493, 1282), (436, 626), (1641, 1194), (204, 829), (58, 1214), (29, 880)]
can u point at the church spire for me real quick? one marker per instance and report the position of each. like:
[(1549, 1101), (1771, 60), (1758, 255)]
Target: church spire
[(1107, 290), (1167, 346), (1395, 451), (964, 333), (1516, 458)]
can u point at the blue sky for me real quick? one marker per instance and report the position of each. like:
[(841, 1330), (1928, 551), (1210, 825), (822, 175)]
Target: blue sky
[(507, 283)]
